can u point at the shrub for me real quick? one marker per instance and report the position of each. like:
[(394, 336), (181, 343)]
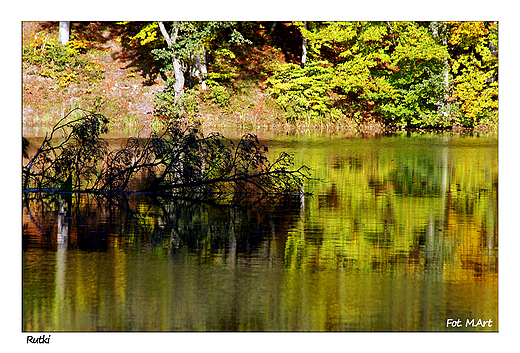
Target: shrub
[(166, 108), (219, 95), (475, 65), (66, 63), (302, 91)]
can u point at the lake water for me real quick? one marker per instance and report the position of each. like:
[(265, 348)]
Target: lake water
[(400, 234)]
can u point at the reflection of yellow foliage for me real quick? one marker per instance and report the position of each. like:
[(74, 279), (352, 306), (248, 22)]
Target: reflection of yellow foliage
[(363, 224), (373, 258)]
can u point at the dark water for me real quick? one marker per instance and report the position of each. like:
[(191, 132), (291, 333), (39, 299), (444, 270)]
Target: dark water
[(399, 234)]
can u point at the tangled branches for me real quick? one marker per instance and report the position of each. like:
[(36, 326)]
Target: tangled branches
[(179, 161), (70, 161)]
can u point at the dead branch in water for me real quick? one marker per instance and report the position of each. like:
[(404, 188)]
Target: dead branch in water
[(180, 161)]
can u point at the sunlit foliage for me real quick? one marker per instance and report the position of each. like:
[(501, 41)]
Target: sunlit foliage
[(66, 63), (394, 72), (475, 66)]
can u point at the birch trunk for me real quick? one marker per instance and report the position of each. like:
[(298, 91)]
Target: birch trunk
[(64, 32), (178, 87), (304, 46), (439, 33), (177, 65), (200, 68)]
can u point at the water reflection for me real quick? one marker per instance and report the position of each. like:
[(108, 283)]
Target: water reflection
[(401, 235)]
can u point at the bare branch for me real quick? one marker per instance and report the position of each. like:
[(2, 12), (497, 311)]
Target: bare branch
[(178, 161)]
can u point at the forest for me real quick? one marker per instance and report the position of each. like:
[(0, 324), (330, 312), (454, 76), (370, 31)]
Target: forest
[(387, 75)]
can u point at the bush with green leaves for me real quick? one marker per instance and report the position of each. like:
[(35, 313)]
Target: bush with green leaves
[(302, 92), (168, 109), (419, 61), (219, 95), (223, 69)]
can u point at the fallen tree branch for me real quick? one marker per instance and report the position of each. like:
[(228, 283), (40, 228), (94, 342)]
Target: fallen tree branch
[(178, 161)]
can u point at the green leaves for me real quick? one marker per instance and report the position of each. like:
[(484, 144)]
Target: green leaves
[(398, 72), (301, 91), (417, 50), (423, 74)]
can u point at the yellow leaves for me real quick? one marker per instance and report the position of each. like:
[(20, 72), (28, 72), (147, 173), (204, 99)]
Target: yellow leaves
[(330, 35), (333, 32), (384, 86), (224, 67), (477, 98), (47, 73), (467, 34), (77, 46), (476, 69), (374, 33), (147, 34), (224, 54), (416, 44), (67, 79)]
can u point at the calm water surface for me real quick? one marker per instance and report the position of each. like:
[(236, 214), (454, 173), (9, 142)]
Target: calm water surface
[(399, 234)]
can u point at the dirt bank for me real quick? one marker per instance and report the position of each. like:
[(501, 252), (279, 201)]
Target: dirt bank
[(124, 94)]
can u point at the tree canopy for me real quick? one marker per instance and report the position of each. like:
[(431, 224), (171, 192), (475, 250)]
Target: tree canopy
[(402, 73), (426, 74)]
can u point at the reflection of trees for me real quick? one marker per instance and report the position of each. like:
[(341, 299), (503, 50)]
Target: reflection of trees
[(404, 227), (96, 222), (190, 179), (186, 233), (352, 258), (401, 210)]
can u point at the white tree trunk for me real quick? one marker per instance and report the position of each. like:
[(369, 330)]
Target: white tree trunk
[(304, 47), (439, 33), (64, 32), (446, 67), (177, 66), (200, 68), (179, 79), (273, 27)]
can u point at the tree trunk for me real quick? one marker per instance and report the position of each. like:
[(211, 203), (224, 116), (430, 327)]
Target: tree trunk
[(177, 65), (273, 27), (179, 79), (439, 32), (64, 32), (304, 47), (200, 69)]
